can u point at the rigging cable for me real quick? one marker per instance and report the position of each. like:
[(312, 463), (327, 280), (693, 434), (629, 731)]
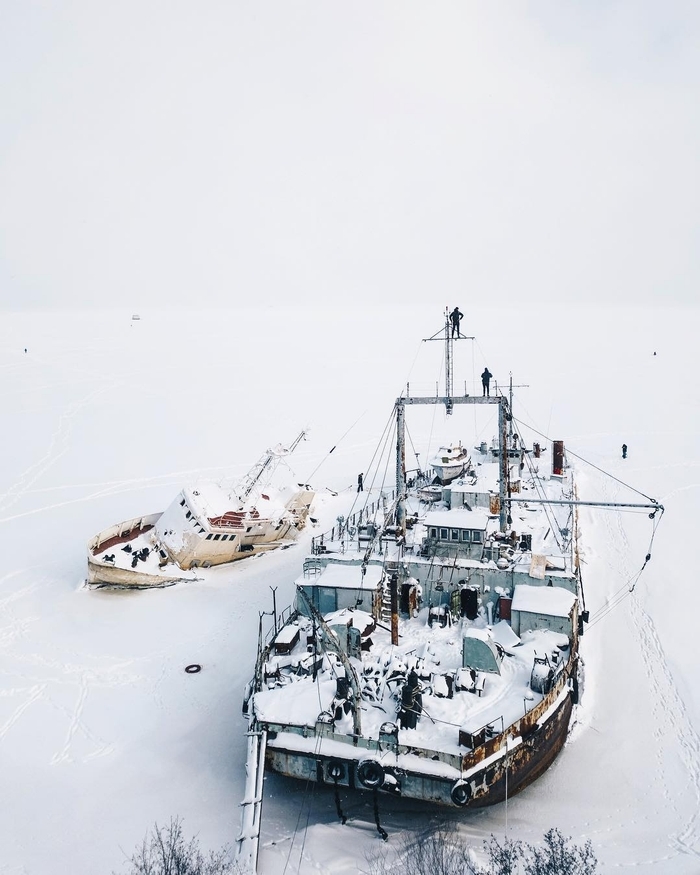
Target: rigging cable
[(548, 509), (387, 436), (600, 470), (309, 478), (383, 438), (410, 439), (304, 797), (434, 406), (410, 370), (476, 436), (625, 590), (387, 442)]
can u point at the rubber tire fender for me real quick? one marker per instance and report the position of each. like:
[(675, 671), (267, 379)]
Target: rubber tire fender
[(335, 770), (461, 793), (370, 774)]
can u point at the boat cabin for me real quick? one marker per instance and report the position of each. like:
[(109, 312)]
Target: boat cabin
[(462, 530), (341, 585), (543, 607)]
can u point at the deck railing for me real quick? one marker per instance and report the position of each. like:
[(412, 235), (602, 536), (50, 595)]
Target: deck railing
[(344, 532)]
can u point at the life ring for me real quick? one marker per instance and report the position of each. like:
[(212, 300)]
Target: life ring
[(371, 774), (335, 770), (461, 793), (193, 669)]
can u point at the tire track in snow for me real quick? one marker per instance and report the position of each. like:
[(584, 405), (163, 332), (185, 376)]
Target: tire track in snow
[(76, 723), (13, 627), (42, 675), (670, 714), (36, 693), (116, 487), (58, 446)]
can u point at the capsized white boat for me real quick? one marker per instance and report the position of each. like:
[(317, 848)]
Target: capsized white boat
[(206, 524)]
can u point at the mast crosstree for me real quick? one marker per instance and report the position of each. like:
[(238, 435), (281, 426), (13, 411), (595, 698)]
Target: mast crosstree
[(449, 399)]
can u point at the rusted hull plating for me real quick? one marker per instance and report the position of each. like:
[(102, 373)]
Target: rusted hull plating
[(527, 762)]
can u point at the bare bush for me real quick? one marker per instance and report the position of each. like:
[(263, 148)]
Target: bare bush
[(504, 859), (441, 851), (437, 851), (166, 851), (560, 856)]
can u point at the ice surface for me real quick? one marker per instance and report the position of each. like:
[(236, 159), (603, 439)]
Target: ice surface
[(102, 733)]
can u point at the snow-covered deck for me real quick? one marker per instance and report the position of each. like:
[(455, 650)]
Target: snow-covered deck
[(293, 698)]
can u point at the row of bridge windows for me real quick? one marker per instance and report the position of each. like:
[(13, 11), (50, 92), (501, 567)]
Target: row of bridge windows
[(470, 536)]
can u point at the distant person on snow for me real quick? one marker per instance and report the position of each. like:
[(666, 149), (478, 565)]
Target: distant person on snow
[(455, 317), (360, 487), (624, 451), (485, 379)]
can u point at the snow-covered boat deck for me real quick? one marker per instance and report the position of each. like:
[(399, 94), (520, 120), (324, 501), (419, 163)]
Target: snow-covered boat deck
[(454, 698)]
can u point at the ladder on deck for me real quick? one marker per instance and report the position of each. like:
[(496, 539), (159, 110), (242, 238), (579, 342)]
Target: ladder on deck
[(249, 839), (390, 568)]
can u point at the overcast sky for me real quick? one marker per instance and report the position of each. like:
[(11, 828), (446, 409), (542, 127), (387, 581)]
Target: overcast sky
[(223, 152)]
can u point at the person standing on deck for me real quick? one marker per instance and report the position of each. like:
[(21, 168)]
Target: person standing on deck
[(624, 451), (485, 379), (360, 487), (455, 317)]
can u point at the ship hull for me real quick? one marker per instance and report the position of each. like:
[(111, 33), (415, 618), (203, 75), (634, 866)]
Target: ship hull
[(448, 473), (102, 574), (499, 776)]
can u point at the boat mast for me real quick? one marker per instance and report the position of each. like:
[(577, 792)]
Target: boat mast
[(510, 405), (504, 473), (449, 400), (449, 350), (400, 468)]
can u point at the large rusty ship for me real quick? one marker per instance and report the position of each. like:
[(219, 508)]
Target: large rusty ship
[(432, 651)]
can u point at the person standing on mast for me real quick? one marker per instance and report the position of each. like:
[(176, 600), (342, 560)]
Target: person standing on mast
[(455, 317)]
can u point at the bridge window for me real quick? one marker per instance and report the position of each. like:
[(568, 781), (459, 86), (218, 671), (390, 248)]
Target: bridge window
[(443, 534), (454, 534)]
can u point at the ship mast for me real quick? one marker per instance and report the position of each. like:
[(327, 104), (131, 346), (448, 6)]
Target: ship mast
[(449, 350), (401, 467), (449, 399)]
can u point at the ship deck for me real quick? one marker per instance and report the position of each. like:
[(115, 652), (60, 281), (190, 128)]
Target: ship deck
[(454, 699)]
